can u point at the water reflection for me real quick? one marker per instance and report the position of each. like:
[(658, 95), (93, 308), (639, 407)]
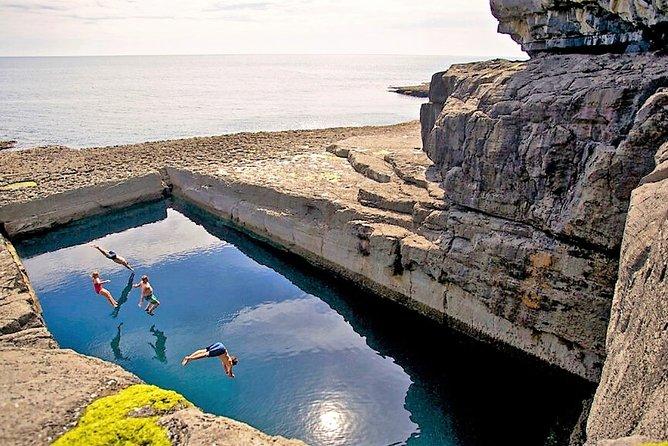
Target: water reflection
[(144, 247), (124, 296), (160, 346), (116, 345), (330, 422), (460, 391), (295, 326), (85, 231)]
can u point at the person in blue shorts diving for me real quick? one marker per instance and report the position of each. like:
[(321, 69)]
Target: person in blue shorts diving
[(214, 350)]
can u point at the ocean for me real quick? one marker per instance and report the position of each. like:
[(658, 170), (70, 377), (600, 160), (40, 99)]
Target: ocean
[(110, 100)]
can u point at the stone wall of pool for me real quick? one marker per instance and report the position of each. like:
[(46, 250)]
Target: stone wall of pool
[(371, 248)]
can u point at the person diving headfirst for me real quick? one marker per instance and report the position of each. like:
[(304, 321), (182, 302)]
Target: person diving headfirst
[(216, 349), (111, 255)]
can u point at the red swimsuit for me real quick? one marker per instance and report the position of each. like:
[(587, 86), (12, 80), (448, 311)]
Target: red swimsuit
[(97, 286)]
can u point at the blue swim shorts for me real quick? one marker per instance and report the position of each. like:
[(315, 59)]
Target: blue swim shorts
[(216, 349)]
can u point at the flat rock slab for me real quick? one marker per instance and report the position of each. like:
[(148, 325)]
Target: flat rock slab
[(60, 169), (370, 166), (42, 392), (192, 427)]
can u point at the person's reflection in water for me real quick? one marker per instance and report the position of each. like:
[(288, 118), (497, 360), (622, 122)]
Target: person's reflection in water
[(116, 345), (160, 344), (124, 296)]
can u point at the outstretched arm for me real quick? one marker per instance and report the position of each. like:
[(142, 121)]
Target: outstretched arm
[(105, 253), (227, 365)]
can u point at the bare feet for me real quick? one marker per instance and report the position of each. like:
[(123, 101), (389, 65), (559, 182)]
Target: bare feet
[(185, 361)]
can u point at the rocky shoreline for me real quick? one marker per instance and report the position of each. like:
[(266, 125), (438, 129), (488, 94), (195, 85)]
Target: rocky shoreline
[(35, 410), (368, 206), (417, 91)]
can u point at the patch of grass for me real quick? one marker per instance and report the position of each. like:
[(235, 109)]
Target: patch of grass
[(126, 418), (18, 185), (662, 443)]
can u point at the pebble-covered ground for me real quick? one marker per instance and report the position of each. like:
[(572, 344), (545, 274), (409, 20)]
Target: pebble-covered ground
[(59, 169)]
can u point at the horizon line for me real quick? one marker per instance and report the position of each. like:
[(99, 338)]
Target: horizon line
[(507, 56)]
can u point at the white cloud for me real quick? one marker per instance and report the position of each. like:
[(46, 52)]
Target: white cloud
[(294, 326), (57, 27), (140, 246)]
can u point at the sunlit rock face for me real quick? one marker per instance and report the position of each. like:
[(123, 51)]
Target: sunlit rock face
[(558, 142), (554, 145), (584, 25)]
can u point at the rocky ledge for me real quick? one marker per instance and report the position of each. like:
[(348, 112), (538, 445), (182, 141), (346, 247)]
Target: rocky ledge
[(588, 26), (418, 91)]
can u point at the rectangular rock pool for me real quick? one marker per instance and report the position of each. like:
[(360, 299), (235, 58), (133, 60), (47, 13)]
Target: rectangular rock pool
[(320, 360)]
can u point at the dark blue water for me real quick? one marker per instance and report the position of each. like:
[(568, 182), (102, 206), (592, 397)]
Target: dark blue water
[(320, 360)]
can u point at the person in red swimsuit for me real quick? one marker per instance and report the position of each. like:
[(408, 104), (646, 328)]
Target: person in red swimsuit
[(99, 289)]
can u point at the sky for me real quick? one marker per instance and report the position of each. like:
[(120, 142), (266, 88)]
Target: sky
[(119, 27)]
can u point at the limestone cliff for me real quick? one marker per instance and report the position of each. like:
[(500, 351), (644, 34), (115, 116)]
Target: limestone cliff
[(632, 398), (551, 148), (559, 143), (584, 25)]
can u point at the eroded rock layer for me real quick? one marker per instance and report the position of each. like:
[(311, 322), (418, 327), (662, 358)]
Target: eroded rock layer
[(584, 25)]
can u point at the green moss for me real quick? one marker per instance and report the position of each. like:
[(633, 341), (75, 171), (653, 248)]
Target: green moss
[(107, 421)]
